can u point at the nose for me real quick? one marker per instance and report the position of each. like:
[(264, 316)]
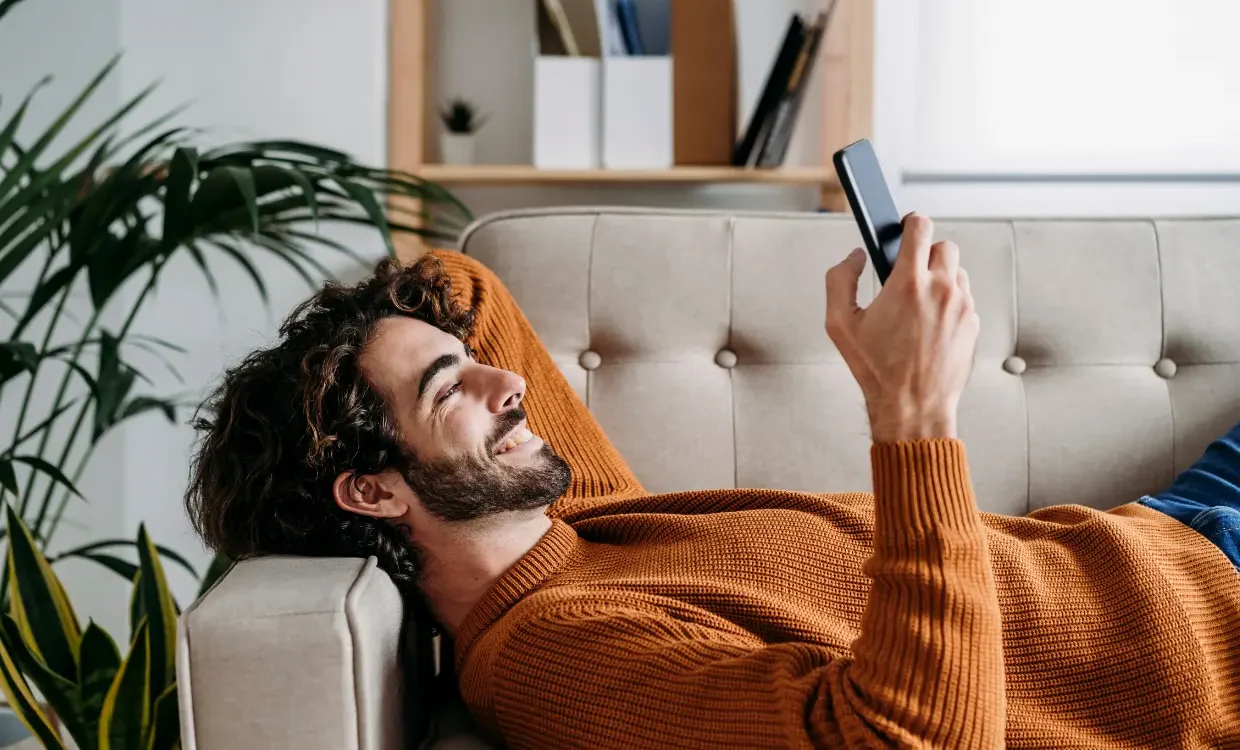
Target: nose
[(506, 391)]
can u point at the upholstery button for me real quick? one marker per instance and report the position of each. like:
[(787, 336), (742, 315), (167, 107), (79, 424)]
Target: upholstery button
[(725, 358), (590, 360), (1165, 368), (1015, 365)]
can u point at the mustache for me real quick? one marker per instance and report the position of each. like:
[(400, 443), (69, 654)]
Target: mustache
[(504, 424)]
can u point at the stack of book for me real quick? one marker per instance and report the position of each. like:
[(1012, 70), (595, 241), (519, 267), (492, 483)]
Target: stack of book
[(770, 129), (604, 28)]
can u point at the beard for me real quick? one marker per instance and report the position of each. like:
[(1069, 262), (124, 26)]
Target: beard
[(468, 488)]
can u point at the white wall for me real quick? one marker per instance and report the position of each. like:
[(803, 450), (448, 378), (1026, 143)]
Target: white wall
[(308, 69)]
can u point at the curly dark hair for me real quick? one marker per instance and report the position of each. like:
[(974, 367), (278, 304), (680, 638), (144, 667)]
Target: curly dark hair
[(289, 419)]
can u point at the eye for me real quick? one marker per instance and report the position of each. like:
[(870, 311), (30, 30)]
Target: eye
[(448, 393)]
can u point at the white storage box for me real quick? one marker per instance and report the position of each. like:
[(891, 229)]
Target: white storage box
[(567, 131), (637, 112)]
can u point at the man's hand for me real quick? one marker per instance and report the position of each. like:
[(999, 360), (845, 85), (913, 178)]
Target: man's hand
[(912, 349)]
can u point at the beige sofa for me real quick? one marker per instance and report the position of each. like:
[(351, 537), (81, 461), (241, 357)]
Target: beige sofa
[(1109, 357)]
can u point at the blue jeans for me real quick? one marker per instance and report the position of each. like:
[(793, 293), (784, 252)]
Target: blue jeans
[(1206, 497)]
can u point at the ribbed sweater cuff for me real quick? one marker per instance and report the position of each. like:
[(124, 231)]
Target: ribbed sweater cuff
[(922, 485)]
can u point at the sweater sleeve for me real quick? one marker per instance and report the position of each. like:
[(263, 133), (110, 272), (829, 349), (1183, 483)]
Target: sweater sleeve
[(504, 338), (925, 672)]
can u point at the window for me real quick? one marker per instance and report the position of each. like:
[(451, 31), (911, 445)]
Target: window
[(1115, 99)]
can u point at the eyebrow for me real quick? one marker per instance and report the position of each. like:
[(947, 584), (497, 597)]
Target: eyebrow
[(441, 363)]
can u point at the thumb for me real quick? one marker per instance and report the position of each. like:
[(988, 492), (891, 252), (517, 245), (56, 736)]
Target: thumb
[(842, 285)]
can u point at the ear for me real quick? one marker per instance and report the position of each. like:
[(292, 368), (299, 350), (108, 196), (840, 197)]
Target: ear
[(374, 495)]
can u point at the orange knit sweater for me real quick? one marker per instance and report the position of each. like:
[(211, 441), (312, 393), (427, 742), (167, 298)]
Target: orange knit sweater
[(759, 618)]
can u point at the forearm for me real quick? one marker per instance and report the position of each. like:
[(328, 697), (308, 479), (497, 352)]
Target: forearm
[(929, 661)]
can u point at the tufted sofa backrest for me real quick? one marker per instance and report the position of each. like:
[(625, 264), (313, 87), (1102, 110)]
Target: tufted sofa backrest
[(1109, 354)]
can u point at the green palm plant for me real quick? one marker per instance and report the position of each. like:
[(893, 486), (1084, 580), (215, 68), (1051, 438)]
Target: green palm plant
[(103, 701), (104, 216)]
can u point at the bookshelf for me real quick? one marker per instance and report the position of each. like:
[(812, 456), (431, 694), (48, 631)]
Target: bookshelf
[(518, 174), (844, 78)]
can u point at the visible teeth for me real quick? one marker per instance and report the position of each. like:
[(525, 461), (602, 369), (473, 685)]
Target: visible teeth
[(520, 437)]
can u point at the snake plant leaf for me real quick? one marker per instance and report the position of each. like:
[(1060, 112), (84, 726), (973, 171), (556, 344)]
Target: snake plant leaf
[(38, 602), (137, 606), (62, 695), (96, 670), (24, 704), (165, 731), (218, 567), (125, 717), (161, 614)]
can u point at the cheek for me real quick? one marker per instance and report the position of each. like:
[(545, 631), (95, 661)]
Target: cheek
[(466, 430)]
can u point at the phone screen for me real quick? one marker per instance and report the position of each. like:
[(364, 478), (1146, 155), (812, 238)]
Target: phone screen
[(872, 204)]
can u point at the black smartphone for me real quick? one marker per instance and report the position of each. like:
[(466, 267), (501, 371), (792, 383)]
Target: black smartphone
[(872, 204)]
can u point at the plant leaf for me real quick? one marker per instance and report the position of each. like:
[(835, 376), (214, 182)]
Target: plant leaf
[(245, 183), (196, 253), (125, 716), (238, 256), (17, 357), (140, 404), (105, 543), (10, 129), (137, 609), (218, 567), (43, 425), (181, 176), (165, 721), (52, 471), (96, 670), (161, 614), (8, 477), (122, 568), (367, 199), (44, 293), (21, 699), (307, 192), (38, 602), (60, 693)]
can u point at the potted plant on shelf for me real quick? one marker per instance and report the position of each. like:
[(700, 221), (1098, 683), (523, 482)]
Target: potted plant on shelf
[(461, 121)]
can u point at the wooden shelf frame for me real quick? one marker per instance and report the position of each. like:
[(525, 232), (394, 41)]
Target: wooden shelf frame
[(845, 76), (518, 174)]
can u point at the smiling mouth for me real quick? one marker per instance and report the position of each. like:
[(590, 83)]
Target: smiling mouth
[(518, 436)]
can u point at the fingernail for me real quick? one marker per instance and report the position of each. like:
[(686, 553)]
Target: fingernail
[(856, 253)]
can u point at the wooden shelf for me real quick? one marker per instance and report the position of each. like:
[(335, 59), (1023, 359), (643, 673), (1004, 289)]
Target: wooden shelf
[(520, 174)]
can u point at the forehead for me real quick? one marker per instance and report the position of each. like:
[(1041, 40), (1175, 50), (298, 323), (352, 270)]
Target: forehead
[(401, 350)]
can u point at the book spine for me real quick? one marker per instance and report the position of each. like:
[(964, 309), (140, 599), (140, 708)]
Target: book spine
[(749, 148)]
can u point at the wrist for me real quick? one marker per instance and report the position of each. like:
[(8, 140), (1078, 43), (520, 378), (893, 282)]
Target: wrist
[(896, 422)]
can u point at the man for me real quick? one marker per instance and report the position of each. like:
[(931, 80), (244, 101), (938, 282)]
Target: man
[(390, 421)]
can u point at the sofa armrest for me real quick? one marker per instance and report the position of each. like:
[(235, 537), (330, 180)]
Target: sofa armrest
[(293, 653)]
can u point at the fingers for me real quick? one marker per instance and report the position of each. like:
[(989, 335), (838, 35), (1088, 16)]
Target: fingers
[(915, 244), (842, 281), (945, 259), (962, 281)]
